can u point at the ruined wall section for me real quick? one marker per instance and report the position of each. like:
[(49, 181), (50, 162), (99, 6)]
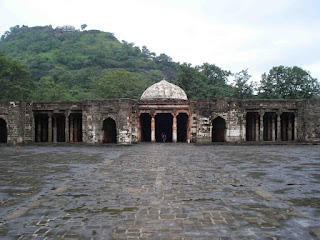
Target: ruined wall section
[(27, 119), (96, 111), (135, 122), (309, 125), (206, 110), (10, 111)]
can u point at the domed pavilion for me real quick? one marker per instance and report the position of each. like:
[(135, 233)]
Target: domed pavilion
[(164, 114)]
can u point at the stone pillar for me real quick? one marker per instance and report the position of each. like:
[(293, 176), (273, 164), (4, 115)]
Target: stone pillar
[(174, 129), (273, 128), (55, 129), (295, 132), (290, 128), (66, 127), (278, 127), (39, 123), (50, 127), (71, 129), (153, 129), (261, 126), (257, 127)]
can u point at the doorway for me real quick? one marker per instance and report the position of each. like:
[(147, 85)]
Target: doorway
[(218, 130), (164, 126), (110, 131)]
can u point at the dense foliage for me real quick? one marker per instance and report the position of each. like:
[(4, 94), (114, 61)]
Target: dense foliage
[(42, 63)]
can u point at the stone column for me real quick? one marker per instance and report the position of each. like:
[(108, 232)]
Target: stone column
[(295, 132), (153, 129), (278, 127), (273, 128), (174, 129), (290, 128), (66, 127), (55, 129), (261, 126), (257, 127), (71, 128), (50, 127)]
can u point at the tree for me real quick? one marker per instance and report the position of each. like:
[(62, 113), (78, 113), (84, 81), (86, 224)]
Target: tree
[(288, 83), (119, 84), (191, 81), (242, 88), (214, 73), (15, 80), (47, 90), (83, 26)]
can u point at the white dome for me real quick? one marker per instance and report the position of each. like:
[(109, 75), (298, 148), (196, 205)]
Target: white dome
[(164, 90)]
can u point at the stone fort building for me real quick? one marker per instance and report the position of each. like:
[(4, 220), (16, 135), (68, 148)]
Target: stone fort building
[(163, 109)]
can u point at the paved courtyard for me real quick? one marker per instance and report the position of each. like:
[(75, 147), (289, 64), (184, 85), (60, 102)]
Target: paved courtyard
[(160, 191)]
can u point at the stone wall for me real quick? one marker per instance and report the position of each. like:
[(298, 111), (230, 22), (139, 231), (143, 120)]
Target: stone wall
[(19, 117), (309, 124)]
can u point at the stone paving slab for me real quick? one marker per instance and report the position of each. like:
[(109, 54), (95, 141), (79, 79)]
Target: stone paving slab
[(160, 191)]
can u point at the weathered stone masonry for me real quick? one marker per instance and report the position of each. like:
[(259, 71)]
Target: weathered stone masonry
[(130, 121)]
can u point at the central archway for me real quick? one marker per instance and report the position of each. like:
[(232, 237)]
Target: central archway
[(164, 126), (3, 131), (218, 130), (110, 131)]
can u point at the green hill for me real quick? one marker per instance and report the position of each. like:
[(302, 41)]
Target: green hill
[(76, 59)]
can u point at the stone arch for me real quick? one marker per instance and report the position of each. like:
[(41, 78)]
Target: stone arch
[(3, 131), (219, 130), (110, 130)]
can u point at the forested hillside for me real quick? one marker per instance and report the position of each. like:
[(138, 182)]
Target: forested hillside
[(43, 63)]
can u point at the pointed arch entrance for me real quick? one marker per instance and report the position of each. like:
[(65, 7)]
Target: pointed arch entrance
[(218, 130), (110, 131), (3, 131)]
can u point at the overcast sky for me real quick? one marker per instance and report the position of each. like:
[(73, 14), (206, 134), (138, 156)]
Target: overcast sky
[(233, 34)]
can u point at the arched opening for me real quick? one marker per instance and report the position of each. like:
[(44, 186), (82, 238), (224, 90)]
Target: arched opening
[(110, 131), (182, 128), (218, 130), (3, 131), (145, 127), (287, 126), (163, 126)]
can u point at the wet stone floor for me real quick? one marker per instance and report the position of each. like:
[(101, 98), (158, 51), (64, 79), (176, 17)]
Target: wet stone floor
[(160, 191)]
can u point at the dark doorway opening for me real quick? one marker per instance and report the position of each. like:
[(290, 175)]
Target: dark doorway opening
[(75, 127), (60, 120), (218, 130), (3, 131), (145, 125), (41, 128), (110, 131), (164, 125), (182, 128), (252, 126)]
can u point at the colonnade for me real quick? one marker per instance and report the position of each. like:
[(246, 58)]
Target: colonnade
[(271, 126), (58, 127)]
